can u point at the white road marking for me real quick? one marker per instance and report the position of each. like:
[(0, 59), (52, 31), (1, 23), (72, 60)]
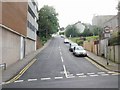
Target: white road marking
[(115, 74), (60, 53), (65, 71), (62, 72), (104, 74), (111, 72), (32, 79), (18, 81), (71, 77), (70, 74), (62, 59), (94, 75), (80, 74), (101, 72), (45, 78), (90, 73), (83, 76), (3, 83), (59, 48), (58, 77)]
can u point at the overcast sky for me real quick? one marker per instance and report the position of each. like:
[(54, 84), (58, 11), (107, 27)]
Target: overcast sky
[(71, 11)]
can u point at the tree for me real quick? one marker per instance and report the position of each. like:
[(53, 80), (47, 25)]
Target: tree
[(87, 32), (48, 21), (96, 30), (72, 31)]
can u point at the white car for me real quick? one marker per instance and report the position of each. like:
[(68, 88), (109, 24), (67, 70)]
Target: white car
[(79, 51), (72, 45), (66, 41)]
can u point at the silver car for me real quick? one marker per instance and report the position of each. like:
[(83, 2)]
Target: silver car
[(79, 51)]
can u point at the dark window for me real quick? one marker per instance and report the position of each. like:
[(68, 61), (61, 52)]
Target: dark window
[(31, 27), (31, 12)]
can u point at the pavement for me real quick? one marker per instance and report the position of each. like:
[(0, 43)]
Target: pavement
[(112, 66), (14, 69)]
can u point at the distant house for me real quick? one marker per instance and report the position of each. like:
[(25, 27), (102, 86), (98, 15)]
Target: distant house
[(80, 26), (18, 27)]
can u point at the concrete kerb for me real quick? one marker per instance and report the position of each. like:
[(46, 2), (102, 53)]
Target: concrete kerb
[(30, 57), (103, 65)]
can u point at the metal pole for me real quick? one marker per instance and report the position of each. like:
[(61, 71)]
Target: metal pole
[(107, 52)]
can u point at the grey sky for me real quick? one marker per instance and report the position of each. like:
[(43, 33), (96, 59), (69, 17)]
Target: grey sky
[(71, 11)]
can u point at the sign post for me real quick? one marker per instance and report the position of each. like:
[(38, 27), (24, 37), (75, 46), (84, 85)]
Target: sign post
[(107, 36)]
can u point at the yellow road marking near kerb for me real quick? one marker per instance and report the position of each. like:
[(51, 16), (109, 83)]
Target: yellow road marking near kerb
[(98, 66), (21, 72)]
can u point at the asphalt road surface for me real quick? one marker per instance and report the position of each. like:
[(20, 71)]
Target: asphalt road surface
[(57, 67)]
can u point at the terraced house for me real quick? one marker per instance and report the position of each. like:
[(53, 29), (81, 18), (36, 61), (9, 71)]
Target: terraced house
[(18, 27)]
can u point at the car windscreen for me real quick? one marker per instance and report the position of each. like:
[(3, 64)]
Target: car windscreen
[(79, 48)]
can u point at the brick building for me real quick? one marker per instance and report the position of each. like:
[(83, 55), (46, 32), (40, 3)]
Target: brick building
[(18, 28)]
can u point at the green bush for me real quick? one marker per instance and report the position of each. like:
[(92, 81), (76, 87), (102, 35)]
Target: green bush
[(79, 42), (114, 41)]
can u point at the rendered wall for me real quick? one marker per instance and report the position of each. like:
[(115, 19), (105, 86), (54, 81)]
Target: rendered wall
[(30, 46), (10, 47)]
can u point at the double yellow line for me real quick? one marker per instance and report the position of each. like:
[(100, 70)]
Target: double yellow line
[(21, 72)]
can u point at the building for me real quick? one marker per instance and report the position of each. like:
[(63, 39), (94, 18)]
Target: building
[(112, 25), (80, 26), (100, 19), (18, 27)]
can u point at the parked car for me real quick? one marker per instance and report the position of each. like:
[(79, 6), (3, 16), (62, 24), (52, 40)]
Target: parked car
[(72, 45), (62, 36), (66, 41), (79, 51)]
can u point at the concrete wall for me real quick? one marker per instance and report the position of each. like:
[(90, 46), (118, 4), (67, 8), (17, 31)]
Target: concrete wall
[(0, 56), (10, 47), (103, 49), (113, 53), (0, 13), (0, 45), (30, 46)]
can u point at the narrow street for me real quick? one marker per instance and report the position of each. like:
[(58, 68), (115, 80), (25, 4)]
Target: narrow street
[(57, 67)]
